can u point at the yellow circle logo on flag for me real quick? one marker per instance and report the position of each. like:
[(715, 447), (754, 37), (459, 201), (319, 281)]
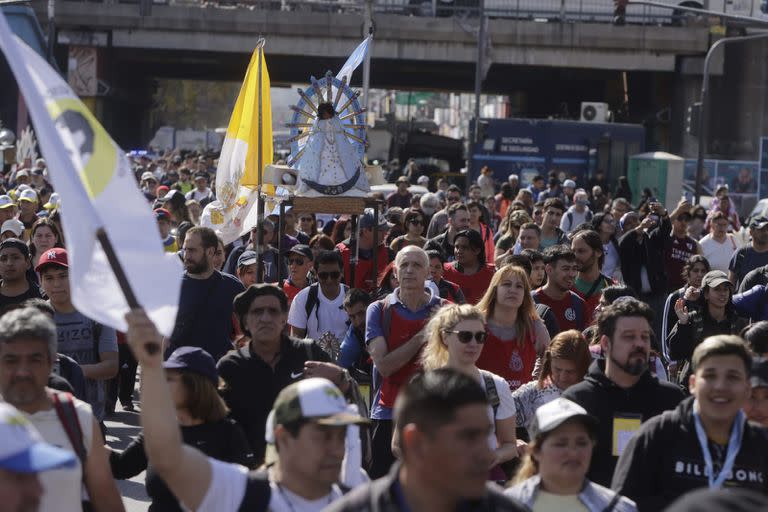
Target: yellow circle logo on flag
[(90, 146)]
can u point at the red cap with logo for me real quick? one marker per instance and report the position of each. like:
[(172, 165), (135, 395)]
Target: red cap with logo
[(55, 256)]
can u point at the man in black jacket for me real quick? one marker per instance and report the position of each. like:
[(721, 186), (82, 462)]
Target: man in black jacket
[(256, 373), (620, 391), (705, 442), (442, 427)]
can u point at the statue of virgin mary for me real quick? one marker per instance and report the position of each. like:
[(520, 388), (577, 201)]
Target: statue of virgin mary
[(329, 164)]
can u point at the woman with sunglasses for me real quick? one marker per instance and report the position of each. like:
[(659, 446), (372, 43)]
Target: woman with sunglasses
[(308, 224), (414, 229), (516, 335), (605, 226), (456, 338)]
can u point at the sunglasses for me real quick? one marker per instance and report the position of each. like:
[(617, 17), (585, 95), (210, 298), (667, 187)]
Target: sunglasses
[(466, 336), (328, 275), (296, 261), (305, 219)]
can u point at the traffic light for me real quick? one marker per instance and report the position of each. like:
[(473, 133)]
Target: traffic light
[(692, 119)]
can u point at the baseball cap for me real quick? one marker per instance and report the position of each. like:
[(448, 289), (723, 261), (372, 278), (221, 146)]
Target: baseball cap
[(15, 226), (193, 359), (303, 250), (6, 201), (16, 243), (553, 414), (38, 171), (53, 202), (28, 195), (759, 374), (714, 278), (162, 190), (201, 175), (23, 449), (55, 256), (162, 214), (247, 258), (22, 172), (758, 223), (314, 399), (422, 180), (569, 184), (366, 220), (147, 175)]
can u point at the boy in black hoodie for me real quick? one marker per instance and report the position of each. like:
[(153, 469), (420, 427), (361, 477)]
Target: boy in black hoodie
[(620, 391), (706, 441)]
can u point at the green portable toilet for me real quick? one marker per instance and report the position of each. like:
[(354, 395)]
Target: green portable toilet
[(661, 172)]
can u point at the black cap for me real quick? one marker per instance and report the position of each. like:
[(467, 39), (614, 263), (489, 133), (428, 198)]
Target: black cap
[(202, 174), (193, 359), (759, 375), (303, 250), (15, 243)]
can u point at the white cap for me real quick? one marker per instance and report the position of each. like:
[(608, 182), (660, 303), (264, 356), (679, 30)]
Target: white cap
[(53, 202), (23, 450), (22, 172), (6, 201), (569, 184), (422, 179), (15, 226), (553, 414), (28, 194)]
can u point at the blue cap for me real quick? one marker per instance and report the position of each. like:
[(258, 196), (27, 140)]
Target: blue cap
[(193, 359), (247, 258), (23, 450)]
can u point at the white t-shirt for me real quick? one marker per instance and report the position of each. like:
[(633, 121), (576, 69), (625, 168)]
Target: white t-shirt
[(719, 254), (62, 488), (197, 195), (227, 490), (506, 407), (330, 312)]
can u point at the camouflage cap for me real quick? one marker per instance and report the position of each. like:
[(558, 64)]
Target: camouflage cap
[(315, 399)]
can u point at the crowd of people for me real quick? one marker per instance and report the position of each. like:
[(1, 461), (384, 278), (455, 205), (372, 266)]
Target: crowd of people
[(545, 347)]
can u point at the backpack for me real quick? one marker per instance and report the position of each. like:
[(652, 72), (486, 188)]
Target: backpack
[(64, 405), (313, 301), (490, 391)]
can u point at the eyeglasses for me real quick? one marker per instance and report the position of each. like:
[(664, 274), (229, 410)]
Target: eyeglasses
[(305, 219), (453, 199), (416, 222), (296, 261), (328, 275), (466, 336)]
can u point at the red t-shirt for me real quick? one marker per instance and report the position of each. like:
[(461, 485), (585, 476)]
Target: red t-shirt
[(474, 285), (290, 290), (676, 253), (569, 311)]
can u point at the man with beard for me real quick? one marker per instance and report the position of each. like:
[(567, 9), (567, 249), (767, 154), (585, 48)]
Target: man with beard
[(589, 284), (205, 305), (620, 390), (561, 268)]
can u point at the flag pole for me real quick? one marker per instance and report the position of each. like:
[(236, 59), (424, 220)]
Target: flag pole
[(122, 280), (260, 164)]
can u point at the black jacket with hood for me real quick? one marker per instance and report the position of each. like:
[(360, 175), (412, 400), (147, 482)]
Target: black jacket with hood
[(605, 400), (664, 461)]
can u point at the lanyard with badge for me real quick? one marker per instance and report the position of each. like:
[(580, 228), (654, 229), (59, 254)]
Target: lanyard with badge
[(734, 445)]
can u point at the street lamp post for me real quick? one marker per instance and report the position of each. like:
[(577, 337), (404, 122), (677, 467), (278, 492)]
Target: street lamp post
[(705, 110)]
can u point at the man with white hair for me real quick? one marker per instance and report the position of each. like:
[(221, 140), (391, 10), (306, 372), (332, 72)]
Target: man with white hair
[(395, 336), (577, 214)]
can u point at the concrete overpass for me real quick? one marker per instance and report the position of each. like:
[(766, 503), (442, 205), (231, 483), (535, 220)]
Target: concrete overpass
[(548, 64)]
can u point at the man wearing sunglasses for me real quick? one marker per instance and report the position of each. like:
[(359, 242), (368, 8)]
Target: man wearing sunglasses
[(317, 311), (300, 263)]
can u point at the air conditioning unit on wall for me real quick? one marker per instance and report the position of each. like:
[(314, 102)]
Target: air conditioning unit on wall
[(594, 112)]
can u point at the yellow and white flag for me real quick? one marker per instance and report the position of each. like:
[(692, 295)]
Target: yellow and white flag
[(237, 176), (98, 191)]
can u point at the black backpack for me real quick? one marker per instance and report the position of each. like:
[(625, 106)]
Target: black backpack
[(258, 492)]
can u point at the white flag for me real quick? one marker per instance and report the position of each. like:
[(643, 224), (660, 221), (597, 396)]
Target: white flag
[(96, 185), (354, 60)]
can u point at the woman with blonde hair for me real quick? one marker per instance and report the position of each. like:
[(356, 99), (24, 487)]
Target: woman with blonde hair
[(553, 476), (509, 231), (456, 334), (564, 364), (517, 336)]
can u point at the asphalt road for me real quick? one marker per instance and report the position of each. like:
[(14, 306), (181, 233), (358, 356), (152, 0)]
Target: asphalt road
[(122, 428)]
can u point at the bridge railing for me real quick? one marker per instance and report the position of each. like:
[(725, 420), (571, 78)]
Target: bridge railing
[(566, 11)]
